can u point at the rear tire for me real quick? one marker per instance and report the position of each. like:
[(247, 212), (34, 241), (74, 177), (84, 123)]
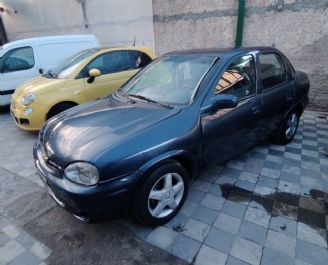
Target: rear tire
[(285, 134), (161, 195), (59, 108)]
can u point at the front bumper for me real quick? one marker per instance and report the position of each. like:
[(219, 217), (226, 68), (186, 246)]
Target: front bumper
[(4, 99), (32, 122), (105, 200)]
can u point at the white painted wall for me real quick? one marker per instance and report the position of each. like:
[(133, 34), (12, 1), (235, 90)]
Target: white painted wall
[(114, 22)]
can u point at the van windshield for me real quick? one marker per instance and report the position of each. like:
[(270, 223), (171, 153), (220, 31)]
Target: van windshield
[(65, 70)]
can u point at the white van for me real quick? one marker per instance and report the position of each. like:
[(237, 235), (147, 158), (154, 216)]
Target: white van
[(24, 59)]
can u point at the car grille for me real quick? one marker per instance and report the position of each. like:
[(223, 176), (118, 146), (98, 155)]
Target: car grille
[(51, 164)]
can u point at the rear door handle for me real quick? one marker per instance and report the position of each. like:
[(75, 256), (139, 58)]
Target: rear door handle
[(256, 110), (289, 98)]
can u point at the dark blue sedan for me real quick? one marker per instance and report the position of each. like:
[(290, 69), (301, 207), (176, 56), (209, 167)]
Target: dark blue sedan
[(136, 150)]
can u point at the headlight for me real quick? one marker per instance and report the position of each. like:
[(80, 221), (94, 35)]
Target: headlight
[(82, 173), (28, 99)]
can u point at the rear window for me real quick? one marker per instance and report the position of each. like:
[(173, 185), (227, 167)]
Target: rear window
[(273, 71)]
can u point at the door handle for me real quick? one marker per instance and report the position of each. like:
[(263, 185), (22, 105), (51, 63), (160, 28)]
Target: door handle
[(256, 110), (40, 71), (289, 98)]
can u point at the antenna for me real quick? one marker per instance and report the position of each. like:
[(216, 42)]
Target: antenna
[(134, 41)]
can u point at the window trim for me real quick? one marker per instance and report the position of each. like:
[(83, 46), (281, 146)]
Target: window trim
[(226, 67), (12, 50), (260, 72)]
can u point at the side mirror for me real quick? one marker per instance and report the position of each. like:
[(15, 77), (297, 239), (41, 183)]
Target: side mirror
[(93, 73), (224, 102)]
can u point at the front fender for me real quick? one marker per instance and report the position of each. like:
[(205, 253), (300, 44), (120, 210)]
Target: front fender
[(186, 158)]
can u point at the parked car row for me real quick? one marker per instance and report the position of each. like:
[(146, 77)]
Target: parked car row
[(148, 125)]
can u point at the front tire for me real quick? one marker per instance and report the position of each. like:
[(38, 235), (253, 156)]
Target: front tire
[(162, 194), (287, 130), (59, 108)]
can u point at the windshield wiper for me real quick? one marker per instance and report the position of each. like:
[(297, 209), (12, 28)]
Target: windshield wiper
[(149, 100)]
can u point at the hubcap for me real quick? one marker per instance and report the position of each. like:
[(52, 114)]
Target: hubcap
[(165, 195), (291, 126)]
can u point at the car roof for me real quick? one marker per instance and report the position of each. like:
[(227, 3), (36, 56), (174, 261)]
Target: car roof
[(223, 51)]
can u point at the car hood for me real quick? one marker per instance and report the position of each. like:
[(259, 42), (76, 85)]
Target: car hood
[(38, 86), (86, 131)]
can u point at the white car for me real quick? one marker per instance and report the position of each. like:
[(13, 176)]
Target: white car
[(24, 59)]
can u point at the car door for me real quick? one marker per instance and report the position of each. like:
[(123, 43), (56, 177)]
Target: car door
[(116, 68), (226, 132), (17, 66), (276, 89)]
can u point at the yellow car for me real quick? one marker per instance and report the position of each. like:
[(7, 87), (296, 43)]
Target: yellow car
[(90, 75)]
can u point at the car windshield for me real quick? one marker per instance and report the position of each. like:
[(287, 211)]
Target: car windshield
[(172, 80), (71, 64)]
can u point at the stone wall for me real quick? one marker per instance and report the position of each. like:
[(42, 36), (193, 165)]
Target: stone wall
[(299, 28), (113, 22)]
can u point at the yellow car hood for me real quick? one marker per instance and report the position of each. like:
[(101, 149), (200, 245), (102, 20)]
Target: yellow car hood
[(39, 85)]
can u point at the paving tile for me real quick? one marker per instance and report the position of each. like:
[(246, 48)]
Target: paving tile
[(273, 158), (291, 169), (40, 250), (301, 262), (226, 180), (247, 251), (227, 223), (4, 239), (283, 225), (262, 203), (201, 185), (257, 216), (292, 162), (27, 258), (252, 232), (253, 165), (251, 177), (239, 195), (10, 231), (196, 230), (311, 218), (210, 256), (205, 215), (233, 261), (290, 177), (311, 253), (245, 185), (184, 248), (288, 187), (10, 251), (220, 240), (230, 172), (195, 195), (268, 182), (281, 242), (234, 209), (283, 209), (274, 257), (272, 165), (269, 172), (264, 191), (178, 222), (188, 208), (213, 202), (312, 205), (162, 237), (311, 234)]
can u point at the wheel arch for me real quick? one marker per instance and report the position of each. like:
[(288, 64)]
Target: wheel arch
[(60, 103)]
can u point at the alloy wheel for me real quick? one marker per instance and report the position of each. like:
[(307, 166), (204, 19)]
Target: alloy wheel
[(166, 195)]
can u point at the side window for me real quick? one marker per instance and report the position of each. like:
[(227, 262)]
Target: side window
[(239, 79), (273, 71), (18, 59), (111, 62), (139, 59)]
